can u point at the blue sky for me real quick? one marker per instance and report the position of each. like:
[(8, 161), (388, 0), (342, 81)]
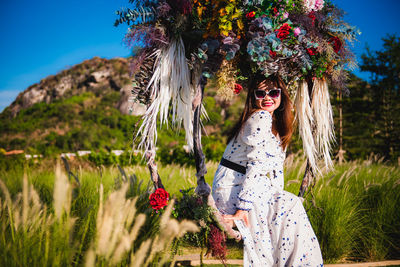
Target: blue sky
[(41, 38)]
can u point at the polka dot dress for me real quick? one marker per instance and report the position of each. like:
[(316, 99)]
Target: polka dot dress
[(280, 233)]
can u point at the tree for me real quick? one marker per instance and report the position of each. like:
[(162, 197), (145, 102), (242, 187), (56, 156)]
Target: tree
[(384, 67)]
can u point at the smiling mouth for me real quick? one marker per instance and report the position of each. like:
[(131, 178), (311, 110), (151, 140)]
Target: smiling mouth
[(267, 104)]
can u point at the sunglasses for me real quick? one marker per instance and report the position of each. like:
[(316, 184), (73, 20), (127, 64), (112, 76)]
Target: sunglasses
[(273, 93)]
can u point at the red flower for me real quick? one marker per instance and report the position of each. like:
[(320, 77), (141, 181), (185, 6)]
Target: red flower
[(159, 199), (199, 201), (251, 14), (283, 31), (217, 243), (312, 51), (272, 53), (311, 15), (238, 88), (337, 44), (275, 10)]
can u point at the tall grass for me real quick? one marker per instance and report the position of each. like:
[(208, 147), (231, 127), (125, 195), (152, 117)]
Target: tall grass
[(80, 227), (354, 210)]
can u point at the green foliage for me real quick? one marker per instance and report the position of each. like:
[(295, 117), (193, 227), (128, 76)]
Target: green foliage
[(81, 122), (384, 93), (106, 159), (353, 209), (193, 207)]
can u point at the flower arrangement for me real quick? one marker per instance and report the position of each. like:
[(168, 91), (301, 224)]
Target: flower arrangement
[(193, 207), (295, 38), (185, 42)]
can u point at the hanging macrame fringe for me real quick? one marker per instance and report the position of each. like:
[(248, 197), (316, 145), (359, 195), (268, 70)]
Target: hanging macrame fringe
[(315, 121), (170, 83), (324, 126), (304, 117)]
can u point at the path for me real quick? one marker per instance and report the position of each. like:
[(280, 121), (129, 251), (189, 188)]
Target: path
[(194, 260)]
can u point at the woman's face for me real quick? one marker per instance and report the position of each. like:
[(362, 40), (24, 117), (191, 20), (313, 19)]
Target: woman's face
[(269, 104)]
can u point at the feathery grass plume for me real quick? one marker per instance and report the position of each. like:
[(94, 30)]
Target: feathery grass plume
[(140, 256), (33, 235), (118, 225), (170, 83), (323, 119), (305, 119), (169, 230), (62, 194)]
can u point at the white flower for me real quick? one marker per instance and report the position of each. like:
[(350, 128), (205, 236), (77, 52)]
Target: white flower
[(313, 5)]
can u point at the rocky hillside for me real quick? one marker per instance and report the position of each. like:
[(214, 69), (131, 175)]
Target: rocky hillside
[(86, 107), (98, 75)]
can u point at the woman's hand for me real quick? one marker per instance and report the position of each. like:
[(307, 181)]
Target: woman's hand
[(239, 215)]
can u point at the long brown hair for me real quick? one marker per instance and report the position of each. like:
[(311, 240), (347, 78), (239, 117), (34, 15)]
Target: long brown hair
[(282, 122)]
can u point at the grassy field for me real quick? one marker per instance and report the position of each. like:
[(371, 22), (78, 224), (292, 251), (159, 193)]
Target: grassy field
[(50, 220)]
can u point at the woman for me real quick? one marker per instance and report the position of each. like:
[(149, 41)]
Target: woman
[(248, 184)]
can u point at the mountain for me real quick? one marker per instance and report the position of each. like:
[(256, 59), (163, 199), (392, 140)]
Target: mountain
[(87, 107), (97, 75), (83, 107)]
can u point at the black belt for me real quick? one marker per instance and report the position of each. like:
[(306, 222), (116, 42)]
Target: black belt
[(232, 165)]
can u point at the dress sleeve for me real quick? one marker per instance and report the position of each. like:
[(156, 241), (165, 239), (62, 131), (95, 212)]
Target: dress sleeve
[(257, 134)]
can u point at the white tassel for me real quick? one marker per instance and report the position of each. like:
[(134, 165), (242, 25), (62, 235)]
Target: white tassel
[(305, 119), (170, 81), (322, 110)]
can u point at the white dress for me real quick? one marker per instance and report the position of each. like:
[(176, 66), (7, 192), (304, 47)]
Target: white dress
[(280, 233)]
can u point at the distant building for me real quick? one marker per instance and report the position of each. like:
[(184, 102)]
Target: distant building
[(28, 156), (13, 152), (117, 152), (68, 155), (83, 152)]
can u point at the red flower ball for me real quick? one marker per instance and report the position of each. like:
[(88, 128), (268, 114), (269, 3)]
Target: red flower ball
[(238, 88), (159, 199), (312, 51), (272, 53), (283, 31), (337, 44), (250, 15)]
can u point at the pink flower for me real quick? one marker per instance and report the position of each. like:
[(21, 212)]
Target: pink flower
[(319, 4), (285, 15), (297, 31)]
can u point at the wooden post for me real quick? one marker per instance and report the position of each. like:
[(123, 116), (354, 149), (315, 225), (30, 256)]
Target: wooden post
[(151, 164), (307, 179), (202, 189)]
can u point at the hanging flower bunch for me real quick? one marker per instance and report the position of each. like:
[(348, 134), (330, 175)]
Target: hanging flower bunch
[(294, 38), (185, 42)]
